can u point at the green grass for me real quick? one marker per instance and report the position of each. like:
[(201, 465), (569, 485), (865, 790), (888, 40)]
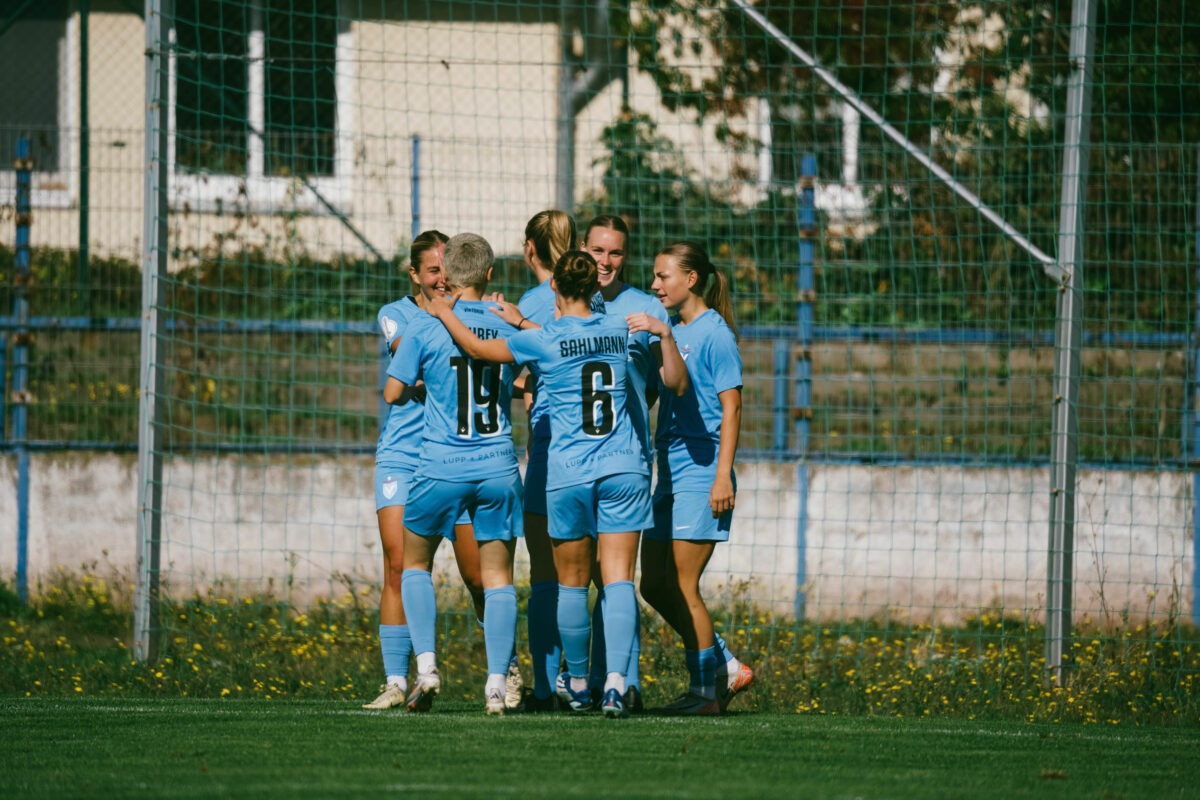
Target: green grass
[(117, 747), (73, 639)]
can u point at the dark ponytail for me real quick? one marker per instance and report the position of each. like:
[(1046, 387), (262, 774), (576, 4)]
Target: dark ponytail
[(576, 276)]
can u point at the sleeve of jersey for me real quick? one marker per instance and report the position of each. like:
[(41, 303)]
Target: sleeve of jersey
[(525, 346), (407, 361), (391, 323), (725, 362)]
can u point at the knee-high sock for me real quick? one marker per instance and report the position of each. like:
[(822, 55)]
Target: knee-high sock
[(574, 627), (544, 646), (727, 663), (633, 674), (599, 660), (620, 622), (702, 666), (395, 644), (499, 627), (420, 606), (702, 669)]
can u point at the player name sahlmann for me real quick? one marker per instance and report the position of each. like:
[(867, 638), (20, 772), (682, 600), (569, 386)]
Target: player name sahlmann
[(592, 344)]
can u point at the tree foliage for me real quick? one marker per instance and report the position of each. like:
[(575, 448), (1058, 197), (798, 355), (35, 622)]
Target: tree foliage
[(981, 86)]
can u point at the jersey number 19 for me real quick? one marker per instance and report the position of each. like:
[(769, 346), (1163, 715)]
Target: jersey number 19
[(478, 396)]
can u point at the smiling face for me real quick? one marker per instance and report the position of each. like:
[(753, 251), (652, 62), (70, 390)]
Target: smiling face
[(607, 246), (672, 284), (428, 275)]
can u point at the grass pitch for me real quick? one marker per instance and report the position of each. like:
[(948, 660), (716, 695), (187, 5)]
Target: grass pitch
[(175, 748)]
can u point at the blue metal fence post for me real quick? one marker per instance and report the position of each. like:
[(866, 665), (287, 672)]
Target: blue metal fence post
[(20, 370), (780, 411), (802, 411)]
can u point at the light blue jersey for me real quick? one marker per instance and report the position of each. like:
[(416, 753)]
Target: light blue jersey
[(400, 439), (584, 364), (689, 427), (643, 371), (537, 305), (467, 433)]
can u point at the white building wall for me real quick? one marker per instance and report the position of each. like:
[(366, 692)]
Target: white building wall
[(483, 97)]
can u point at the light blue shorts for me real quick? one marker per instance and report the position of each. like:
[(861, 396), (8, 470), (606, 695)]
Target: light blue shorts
[(391, 486), (614, 504), (391, 489), (493, 505), (535, 474), (687, 516)]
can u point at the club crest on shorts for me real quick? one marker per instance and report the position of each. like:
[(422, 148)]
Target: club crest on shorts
[(390, 486)]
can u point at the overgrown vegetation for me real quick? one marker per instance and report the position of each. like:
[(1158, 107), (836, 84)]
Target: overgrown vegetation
[(74, 638)]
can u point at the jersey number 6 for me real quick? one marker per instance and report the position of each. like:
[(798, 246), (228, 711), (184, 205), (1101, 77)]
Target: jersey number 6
[(597, 380)]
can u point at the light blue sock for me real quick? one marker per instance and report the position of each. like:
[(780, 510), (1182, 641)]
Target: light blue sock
[(633, 672), (574, 627), (499, 627), (420, 606), (544, 647), (599, 660), (395, 644), (620, 624), (723, 654), (692, 659), (707, 662)]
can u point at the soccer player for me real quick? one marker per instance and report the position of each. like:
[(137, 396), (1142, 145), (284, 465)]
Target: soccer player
[(396, 457), (598, 483), (697, 441), (467, 463), (548, 235), (606, 239)]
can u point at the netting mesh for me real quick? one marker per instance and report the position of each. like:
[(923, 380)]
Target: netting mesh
[(898, 409)]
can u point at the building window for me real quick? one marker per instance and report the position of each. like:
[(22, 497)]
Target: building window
[(40, 105), (259, 88)]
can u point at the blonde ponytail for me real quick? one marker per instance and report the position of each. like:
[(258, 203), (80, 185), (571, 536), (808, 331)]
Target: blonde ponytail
[(552, 233)]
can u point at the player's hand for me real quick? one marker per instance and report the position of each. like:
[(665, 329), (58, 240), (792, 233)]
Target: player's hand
[(493, 297), (440, 305), (721, 497), (508, 311), (642, 321)]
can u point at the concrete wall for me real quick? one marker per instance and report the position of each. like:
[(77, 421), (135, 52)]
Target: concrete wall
[(915, 543)]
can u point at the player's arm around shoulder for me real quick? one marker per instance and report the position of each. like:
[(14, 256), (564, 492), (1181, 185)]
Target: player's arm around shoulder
[(671, 371), (484, 350)]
